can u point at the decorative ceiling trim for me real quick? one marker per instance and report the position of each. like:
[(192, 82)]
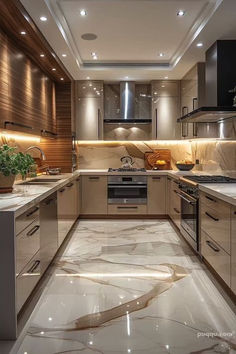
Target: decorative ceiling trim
[(64, 28)]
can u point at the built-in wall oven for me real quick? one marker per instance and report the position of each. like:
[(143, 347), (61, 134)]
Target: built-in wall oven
[(127, 189), (189, 214)]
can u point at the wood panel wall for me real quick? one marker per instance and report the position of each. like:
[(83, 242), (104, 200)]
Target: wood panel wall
[(59, 151), (27, 95)]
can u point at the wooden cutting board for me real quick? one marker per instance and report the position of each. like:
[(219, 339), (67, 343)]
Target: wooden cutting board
[(158, 154)]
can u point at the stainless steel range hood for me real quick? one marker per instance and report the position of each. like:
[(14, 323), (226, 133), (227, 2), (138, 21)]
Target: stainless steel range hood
[(130, 102), (220, 80)]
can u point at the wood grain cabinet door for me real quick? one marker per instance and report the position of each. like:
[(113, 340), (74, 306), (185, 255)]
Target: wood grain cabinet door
[(157, 195), (233, 249), (94, 195)]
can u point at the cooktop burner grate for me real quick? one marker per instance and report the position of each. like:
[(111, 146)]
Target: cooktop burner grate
[(211, 179), (126, 170)]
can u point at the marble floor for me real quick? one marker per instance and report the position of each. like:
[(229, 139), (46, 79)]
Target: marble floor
[(129, 287)]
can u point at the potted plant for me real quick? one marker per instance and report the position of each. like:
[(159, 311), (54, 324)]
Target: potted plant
[(11, 164)]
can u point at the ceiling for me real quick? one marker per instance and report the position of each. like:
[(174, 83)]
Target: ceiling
[(131, 34)]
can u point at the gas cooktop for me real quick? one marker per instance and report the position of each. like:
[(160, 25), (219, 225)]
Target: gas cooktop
[(126, 170), (211, 179)]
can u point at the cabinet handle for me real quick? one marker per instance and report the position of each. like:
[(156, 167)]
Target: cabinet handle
[(210, 216), (183, 108), (213, 200), (127, 207), (169, 179), (32, 212), (33, 267), (77, 179), (176, 182), (62, 190), (194, 100), (195, 131), (46, 132), (33, 230), (17, 125), (70, 185), (176, 210), (94, 177), (211, 245), (49, 201), (156, 178), (184, 135), (235, 213)]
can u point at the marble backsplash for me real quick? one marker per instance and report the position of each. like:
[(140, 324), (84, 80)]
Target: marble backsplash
[(214, 155)]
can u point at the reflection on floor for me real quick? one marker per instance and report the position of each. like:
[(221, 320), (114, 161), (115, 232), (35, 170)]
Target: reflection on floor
[(130, 287)]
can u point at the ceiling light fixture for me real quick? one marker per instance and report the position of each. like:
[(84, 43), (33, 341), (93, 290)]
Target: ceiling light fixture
[(181, 13), (43, 18), (200, 44), (54, 69), (161, 54), (62, 79), (94, 55), (88, 78), (64, 55), (42, 55), (83, 12), (166, 77), (23, 32)]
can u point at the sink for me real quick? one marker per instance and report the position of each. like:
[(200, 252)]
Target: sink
[(41, 181)]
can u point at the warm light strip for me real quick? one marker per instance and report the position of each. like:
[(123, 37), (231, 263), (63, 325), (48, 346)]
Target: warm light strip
[(20, 137), (118, 275), (184, 141)]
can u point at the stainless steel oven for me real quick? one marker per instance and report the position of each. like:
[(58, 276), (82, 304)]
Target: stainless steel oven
[(189, 214), (127, 189)]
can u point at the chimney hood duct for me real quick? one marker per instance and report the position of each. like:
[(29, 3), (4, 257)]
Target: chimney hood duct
[(127, 106), (220, 80)]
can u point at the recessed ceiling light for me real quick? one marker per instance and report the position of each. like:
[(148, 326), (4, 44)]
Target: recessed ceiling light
[(200, 44), (42, 55), (181, 13), (126, 77), (43, 18), (94, 55), (83, 12), (166, 77), (54, 69), (162, 85), (23, 32), (87, 77), (94, 88), (64, 55), (161, 54), (90, 85), (61, 78)]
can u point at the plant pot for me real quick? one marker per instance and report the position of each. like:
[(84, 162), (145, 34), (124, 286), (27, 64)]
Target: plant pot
[(6, 183)]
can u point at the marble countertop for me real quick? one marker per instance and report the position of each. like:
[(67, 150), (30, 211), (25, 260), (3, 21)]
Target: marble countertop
[(24, 197)]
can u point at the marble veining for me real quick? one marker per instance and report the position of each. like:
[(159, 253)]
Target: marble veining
[(129, 287)]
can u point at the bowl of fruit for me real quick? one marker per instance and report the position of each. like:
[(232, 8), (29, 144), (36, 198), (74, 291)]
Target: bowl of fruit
[(184, 165)]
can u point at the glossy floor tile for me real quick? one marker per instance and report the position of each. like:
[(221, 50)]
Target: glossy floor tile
[(130, 287)]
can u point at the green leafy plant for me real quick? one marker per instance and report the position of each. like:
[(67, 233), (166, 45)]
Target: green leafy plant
[(13, 163)]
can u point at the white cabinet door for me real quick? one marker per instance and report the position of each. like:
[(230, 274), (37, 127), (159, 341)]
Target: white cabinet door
[(89, 118)]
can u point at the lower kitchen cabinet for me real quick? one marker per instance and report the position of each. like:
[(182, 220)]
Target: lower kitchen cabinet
[(156, 195), (174, 203), (122, 209), (67, 209), (216, 257), (233, 249), (94, 195), (48, 230)]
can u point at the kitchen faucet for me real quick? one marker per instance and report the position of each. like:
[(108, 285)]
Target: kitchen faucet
[(37, 148)]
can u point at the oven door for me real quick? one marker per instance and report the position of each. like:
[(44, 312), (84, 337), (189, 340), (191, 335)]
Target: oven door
[(127, 194), (189, 215)]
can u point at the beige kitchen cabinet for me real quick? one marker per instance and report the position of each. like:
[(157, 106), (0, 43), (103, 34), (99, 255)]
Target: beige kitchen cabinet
[(156, 204), (165, 110), (175, 204), (78, 196), (137, 209), (215, 220), (233, 249), (168, 194), (94, 195), (67, 209), (216, 257)]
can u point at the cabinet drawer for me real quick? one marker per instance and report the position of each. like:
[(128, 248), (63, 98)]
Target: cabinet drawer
[(216, 223), (175, 214), (27, 279), (216, 257), (212, 202), (26, 219), (27, 244), (127, 209)]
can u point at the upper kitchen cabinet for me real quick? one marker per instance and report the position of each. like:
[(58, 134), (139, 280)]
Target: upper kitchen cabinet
[(165, 110), (89, 110), (192, 88)]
